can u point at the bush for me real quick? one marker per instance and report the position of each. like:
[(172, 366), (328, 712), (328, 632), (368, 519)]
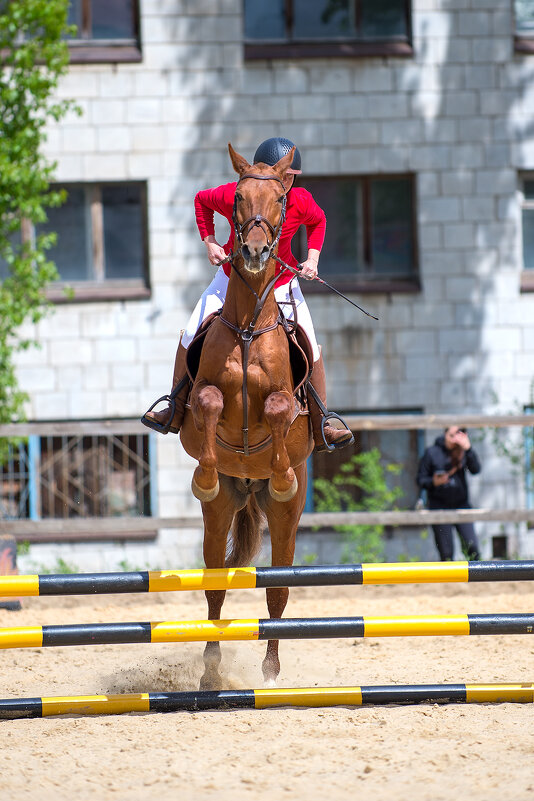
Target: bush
[(359, 486)]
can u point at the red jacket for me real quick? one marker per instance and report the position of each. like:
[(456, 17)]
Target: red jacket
[(301, 209)]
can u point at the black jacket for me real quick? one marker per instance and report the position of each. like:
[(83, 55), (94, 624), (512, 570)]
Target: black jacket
[(454, 494)]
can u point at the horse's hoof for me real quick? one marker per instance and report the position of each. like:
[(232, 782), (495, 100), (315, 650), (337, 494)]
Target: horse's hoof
[(284, 496), (211, 681), (204, 495)]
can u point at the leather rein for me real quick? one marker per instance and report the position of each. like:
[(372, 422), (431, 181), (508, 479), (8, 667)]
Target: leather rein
[(247, 334)]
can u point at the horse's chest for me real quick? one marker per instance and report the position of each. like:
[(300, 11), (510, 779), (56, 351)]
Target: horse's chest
[(259, 378)]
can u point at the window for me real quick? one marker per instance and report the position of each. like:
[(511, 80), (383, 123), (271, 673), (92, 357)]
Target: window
[(527, 218), (370, 241), (403, 447), (64, 477), (101, 248), (319, 28), (107, 30), (524, 26)]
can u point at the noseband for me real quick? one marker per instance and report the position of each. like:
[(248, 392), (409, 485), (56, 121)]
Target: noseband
[(258, 219)]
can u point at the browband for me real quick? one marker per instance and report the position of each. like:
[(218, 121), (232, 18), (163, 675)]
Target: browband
[(263, 178)]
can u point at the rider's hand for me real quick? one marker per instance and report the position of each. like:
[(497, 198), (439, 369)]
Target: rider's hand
[(309, 268), (216, 253)]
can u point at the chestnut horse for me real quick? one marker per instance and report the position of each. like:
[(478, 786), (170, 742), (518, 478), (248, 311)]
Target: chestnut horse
[(243, 426)]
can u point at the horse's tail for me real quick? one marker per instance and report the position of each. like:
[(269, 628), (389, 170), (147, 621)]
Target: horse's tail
[(246, 535)]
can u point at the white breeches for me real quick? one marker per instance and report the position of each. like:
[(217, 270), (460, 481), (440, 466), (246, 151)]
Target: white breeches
[(213, 297)]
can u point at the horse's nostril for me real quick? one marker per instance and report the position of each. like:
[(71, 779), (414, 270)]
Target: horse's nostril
[(245, 252), (265, 249)]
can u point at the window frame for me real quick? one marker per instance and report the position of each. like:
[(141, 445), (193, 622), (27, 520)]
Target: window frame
[(527, 276), (348, 47), (528, 439), (61, 292), (86, 50), (365, 283)]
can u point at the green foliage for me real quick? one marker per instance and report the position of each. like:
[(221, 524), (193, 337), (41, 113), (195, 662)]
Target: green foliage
[(33, 56), (365, 473), (23, 548)]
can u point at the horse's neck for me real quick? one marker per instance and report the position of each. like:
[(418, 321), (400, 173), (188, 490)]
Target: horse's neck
[(240, 302)]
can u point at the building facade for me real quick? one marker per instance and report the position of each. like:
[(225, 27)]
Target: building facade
[(416, 126)]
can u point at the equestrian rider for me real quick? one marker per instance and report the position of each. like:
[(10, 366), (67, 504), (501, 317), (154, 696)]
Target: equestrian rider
[(301, 209)]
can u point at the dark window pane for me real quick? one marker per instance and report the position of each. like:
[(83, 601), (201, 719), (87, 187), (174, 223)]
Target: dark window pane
[(528, 189), (528, 239), (75, 16), (72, 252), (524, 16), (123, 231), (340, 200), (391, 226), (16, 241), (264, 20), (322, 19), (112, 19), (383, 18)]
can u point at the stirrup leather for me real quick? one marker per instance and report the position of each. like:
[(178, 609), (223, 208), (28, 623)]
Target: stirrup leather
[(162, 428), (329, 416)]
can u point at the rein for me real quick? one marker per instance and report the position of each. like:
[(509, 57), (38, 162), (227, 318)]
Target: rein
[(247, 334)]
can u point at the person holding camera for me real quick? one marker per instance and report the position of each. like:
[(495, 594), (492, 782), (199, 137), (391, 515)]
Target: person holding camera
[(442, 473)]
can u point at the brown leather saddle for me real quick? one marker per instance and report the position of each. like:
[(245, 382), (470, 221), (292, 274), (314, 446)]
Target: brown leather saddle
[(300, 357)]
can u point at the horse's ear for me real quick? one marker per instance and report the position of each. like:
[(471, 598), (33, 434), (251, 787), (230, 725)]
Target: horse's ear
[(239, 163), (285, 163)]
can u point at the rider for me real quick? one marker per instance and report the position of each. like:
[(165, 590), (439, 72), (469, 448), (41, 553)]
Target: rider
[(301, 209)]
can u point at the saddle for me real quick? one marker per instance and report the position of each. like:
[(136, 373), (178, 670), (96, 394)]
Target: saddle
[(300, 357)]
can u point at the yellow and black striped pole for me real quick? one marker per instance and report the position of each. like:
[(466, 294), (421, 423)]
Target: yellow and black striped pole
[(262, 577), (264, 629), (12, 708)]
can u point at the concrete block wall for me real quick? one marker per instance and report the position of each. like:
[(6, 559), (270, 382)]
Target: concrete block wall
[(458, 115)]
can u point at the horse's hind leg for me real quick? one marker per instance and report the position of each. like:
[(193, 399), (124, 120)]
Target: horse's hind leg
[(207, 406), (283, 519), (218, 516), (283, 484)]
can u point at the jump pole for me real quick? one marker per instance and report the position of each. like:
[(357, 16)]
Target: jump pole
[(263, 577), (264, 629), (13, 708)]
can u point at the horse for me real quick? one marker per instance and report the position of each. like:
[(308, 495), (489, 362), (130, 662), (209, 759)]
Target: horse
[(243, 424)]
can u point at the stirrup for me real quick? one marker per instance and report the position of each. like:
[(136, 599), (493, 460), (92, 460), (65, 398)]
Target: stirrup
[(326, 417), (171, 400), (161, 428), (335, 446)]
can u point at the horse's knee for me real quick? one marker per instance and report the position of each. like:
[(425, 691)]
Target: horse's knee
[(210, 402), (277, 409)]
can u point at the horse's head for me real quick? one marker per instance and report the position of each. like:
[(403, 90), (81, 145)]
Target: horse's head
[(259, 208)]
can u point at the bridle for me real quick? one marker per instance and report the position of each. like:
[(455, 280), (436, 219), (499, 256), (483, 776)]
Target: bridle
[(248, 333), (258, 219)]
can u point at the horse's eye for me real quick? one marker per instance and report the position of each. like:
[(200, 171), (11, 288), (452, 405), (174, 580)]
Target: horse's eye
[(238, 197), (281, 199)]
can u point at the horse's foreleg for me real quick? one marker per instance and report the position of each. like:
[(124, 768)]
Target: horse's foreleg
[(207, 407), (283, 521), (283, 483)]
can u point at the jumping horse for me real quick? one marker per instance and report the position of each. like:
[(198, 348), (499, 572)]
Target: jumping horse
[(243, 423)]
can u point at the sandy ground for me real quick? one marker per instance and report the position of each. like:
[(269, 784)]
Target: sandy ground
[(380, 753)]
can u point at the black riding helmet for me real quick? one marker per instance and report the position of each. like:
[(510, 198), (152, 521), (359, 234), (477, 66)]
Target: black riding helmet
[(273, 149)]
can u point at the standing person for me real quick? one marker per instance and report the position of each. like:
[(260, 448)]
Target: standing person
[(442, 473), (301, 209)]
